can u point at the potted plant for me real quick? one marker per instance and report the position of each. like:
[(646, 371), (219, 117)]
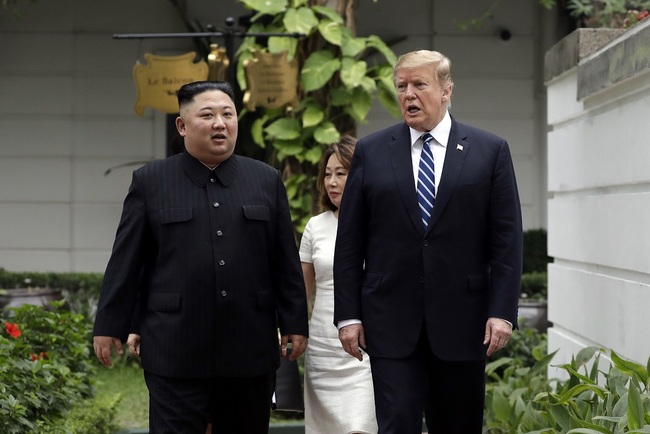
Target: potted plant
[(533, 304), (19, 288), (28, 294)]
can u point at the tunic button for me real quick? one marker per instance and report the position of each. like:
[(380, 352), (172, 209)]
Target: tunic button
[(425, 243), (216, 204), (222, 262), (224, 293), (219, 233), (213, 180)]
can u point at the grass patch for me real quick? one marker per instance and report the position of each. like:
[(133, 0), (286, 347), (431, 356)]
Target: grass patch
[(126, 378)]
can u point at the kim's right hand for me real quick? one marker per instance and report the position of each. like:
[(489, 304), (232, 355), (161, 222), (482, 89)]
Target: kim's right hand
[(103, 346)]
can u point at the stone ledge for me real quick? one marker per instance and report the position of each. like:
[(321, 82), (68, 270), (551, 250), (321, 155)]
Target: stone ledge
[(628, 57), (577, 45)]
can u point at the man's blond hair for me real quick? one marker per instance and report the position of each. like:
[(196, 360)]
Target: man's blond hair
[(440, 63)]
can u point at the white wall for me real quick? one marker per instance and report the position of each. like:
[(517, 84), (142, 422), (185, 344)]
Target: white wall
[(67, 96), (598, 178), (66, 116)]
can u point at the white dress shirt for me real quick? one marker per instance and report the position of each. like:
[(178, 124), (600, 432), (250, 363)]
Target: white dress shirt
[(438, 148)]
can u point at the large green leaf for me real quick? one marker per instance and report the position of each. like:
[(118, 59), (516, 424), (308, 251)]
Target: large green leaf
[(644, 430), (581, 388), (635, 411), (288, 147), (340, 96), (241, 72), (384, 74), (284, 129), (327, 133), (328, 12), (257, 132), (314, 154), (585, 355), (313, 115), (318, 69), (631, 368), (561, 416), (279, 44), (353, 72), (301, 20), (361, 105), (331, 32), (588, 431), (501, 407), (585, 427), (293, 184), (270, 7), (368, 84), (353, 46), (376, 42)]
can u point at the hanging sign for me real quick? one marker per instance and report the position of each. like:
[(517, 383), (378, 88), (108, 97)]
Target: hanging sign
[(158, 81), (272, 81)]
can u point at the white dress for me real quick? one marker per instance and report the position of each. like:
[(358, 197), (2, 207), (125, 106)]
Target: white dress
[(338, 388)]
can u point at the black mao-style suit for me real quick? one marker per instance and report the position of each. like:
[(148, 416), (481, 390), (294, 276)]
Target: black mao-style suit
[(443, 284), (207, 263)]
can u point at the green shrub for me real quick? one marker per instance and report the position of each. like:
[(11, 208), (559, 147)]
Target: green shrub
[(524, 344), (535, 251), (510, 391), (534, 286), (45, 366), (521, 399), (583, 404), (96, 416)]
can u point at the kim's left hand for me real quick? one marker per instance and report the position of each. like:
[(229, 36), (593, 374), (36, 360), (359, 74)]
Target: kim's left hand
[(497, 334), (298, 345)]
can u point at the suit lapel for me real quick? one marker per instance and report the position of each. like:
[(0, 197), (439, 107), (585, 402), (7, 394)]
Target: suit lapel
[(400, 154), (457, 150)]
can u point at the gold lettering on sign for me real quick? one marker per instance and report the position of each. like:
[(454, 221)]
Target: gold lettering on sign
[(158, 81), (272, 81)]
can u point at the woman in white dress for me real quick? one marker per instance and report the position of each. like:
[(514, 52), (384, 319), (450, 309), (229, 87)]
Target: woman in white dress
[(338, 388)]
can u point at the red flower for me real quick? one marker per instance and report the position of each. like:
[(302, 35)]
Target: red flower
[(13, 330), (34, 357)]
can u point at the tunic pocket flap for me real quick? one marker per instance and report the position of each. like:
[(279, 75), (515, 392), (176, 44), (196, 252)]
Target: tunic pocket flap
[(478, 282), (175, 215), (257, 212)]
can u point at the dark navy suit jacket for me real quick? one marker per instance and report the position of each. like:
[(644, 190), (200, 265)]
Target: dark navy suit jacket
[(399, 279), (212, 263)]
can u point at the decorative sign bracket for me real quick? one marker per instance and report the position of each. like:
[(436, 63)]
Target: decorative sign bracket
[(158, 81)]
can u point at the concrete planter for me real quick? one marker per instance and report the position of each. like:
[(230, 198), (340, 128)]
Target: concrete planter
[(16, 297), (533, 314)]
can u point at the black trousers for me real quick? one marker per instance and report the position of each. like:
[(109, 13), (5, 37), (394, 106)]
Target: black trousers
[(233, 405), (450, 394)]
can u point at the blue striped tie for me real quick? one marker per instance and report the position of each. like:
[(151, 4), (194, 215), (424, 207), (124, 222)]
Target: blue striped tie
[(426, 181)]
